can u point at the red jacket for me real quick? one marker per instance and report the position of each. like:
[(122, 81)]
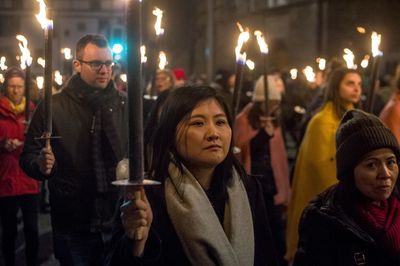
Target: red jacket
[(13, 181)]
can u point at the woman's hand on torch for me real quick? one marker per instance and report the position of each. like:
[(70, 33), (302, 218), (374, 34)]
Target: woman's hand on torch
[(266, 123), (46, 161), (136, 216)]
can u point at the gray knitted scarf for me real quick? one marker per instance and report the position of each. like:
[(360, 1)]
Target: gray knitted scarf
[(204, 240)]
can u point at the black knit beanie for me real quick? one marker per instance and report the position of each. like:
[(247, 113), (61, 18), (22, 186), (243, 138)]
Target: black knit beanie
[(358, 134)]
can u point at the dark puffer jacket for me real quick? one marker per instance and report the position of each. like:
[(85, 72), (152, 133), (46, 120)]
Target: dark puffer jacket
[(76, 206), (328, 236)]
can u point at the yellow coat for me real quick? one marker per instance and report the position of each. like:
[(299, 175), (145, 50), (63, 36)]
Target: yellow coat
[(315, 169)]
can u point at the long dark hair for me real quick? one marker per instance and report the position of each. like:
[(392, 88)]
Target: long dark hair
[(332, 93), (177, 108)]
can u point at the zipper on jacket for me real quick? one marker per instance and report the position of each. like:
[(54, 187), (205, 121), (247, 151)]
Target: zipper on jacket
[(93, 123)]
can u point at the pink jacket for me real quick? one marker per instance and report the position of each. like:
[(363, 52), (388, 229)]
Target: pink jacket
[(244, 133)]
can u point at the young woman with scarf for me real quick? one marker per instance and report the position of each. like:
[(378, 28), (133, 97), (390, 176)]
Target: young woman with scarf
[(206, 211), (357, 221)]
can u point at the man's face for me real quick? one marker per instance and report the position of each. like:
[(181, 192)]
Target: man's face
[(90, 66), (15, 89)]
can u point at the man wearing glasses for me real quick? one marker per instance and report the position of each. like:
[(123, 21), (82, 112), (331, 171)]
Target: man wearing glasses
[(90, 116)]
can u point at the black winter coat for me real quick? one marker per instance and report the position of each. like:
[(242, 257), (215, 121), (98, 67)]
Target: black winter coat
[(75, 204), (163, 246), (328, 236)]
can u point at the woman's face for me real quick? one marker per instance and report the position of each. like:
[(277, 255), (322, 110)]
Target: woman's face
[(203, 140), (350, 89), (375, 176), (15, 89)]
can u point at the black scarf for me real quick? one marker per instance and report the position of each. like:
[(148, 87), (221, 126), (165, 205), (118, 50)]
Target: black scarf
[(105, 142)]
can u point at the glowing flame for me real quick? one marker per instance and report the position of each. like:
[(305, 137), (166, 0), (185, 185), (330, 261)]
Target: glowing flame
[(40, 82), (157, 26), (3, 65), (162, 60), (1, 78), (244, 36), (361, 30), (26, 59), (321, 63), (349, 58), (308, 71), (123, 77), (41, 62), (58, 77), (365, 61), (261, 42), (143, 54), (293, 73), (67, 53), (42, 16), (375, 42), (250, 64)]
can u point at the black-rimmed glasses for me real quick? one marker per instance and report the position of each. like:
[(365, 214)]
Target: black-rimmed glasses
[(96, 65)]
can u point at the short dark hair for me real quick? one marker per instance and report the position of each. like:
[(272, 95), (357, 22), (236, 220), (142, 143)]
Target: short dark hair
[(178, 107), (96, 39)]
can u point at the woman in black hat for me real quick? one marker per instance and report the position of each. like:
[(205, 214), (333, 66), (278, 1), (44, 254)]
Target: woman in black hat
[(357, 221)]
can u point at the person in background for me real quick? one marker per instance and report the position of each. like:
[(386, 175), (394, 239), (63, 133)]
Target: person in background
[(17, 190), (206, 211), (180, 77), (90, 116), (164, 80), (257, 133), (357, 221), (315, 164), (390, 114)]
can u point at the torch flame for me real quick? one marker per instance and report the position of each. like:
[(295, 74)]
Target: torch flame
[(244, 36), (26, 59), (309, 73), (67, 53), (143, 54), (365, 61), (293, 73), (349, 58), (261, 42), (157, 26), (162, 60), (375, 42), (361, 30), (3, 63), (42, 16), (40, 82), (58, 77), (41, 62), (250, 64), (123, 77), (321, 63)]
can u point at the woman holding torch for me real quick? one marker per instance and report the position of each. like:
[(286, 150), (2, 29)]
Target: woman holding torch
[(206, 212)]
